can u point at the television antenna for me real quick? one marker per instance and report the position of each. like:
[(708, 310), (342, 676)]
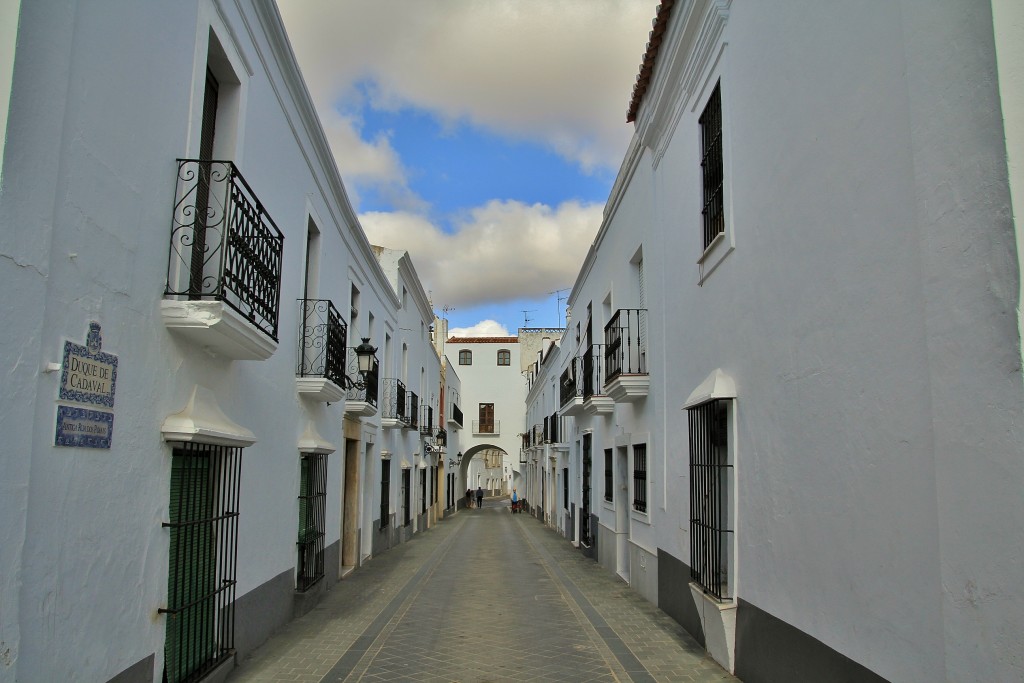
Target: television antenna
[(527, 318), (558, 303)]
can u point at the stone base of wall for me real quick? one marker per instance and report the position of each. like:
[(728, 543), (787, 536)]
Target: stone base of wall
[(139, 672), (674, 597)]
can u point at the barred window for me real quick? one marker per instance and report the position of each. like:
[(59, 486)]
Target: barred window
[(312, 519), (712, 171), (385, 493), (423, 491), (640, 477), (406, 497), (709, 497), (465, 357), (565, 488), (203, 530), (609, 479), (585, 501), (504, 357)]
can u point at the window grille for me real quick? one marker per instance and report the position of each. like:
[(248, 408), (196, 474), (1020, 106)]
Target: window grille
[(312, 519), (709, 497), (565, 488), (406, 497), (423, 491), (203, 530), (640, 477), (711, 166), (385, 493), (609, 494), (585, 504), (465, 357), (504, 357)]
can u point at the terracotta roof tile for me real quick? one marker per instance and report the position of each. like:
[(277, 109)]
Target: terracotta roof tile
[(643, 79), (482, 340)]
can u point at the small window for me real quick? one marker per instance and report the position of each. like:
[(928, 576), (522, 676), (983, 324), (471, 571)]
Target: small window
[(609, 492), (712, 171), (504, 357), (640, 477), (312, 516), (711, 507), (465, 357)]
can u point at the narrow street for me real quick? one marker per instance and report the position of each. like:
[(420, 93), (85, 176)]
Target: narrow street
[(483, 596)]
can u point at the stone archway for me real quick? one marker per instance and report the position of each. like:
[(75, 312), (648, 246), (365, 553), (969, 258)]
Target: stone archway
[(487, 466)]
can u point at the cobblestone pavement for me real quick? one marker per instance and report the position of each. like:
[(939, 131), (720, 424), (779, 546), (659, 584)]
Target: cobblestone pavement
[(482, 596)]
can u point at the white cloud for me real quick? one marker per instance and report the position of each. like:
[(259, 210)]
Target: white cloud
[(484, 328), (558, 72), (502, 251)]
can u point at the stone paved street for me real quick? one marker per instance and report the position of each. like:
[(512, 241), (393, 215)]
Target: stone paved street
[(483, 596)]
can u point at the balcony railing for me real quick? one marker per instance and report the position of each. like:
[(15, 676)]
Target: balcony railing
[(224, 246), (394, 404), (412, 411), (486, 426), (551, 428), (538, 434), (322, 334), (456, 415), (625, 343), (371, 379), (592, 360), (571, 382), (427, 420)]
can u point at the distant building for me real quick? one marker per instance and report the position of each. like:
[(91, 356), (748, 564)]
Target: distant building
[(493, 392), (791, 394)]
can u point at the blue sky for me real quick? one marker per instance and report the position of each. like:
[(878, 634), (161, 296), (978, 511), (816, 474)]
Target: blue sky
[(482, 137)]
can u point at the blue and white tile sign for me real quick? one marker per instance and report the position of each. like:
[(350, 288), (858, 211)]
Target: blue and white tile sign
[(83, 427), (88, 376)]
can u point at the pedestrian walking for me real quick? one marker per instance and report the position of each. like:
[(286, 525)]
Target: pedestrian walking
[(469, 498), (479, 496), (515, 501)]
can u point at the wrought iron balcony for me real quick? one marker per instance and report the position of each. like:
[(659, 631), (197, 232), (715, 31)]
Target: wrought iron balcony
[(427, 420), (363, 401), (412, 410), (488, 427), (594, 399), (455, 416), (224, 251), (394, 403), (570, 388), (625, 355), (321, 351)]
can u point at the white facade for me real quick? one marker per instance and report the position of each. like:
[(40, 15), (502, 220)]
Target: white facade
[(851, 334), (493, 392), (105, 98)]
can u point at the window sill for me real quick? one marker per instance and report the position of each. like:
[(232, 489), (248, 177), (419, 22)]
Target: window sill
[(714, 254)]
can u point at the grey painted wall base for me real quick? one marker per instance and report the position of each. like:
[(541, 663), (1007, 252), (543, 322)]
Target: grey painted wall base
[(674, 597), (139, 672), (262, 611), (305, 601), (769, 650)]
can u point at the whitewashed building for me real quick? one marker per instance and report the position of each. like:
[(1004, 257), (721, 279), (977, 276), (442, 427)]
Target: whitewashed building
[(791, 388), (192, 454), (493, 392)]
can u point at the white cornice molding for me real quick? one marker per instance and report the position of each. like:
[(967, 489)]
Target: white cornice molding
[(312, 442), (715, 386), (695, 44)]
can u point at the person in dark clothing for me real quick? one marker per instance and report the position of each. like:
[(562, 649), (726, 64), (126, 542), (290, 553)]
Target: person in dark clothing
[(479, 496), (469, 498)]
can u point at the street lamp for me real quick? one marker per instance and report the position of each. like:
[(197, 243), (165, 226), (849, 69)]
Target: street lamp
[(366, 356), (457, 461)]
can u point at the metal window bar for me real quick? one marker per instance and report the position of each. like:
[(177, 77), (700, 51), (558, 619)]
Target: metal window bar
[(556, 428), (224, 246), (624, 343), (371, 379), (709, 502), (385, 494), (570, 384), (609, 482), (585, 504), (456, 415), (711, 166), (312, 520), (201, 583), (394, 400), (640, 477), (322, 334), (592, 361), (423, 491)]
